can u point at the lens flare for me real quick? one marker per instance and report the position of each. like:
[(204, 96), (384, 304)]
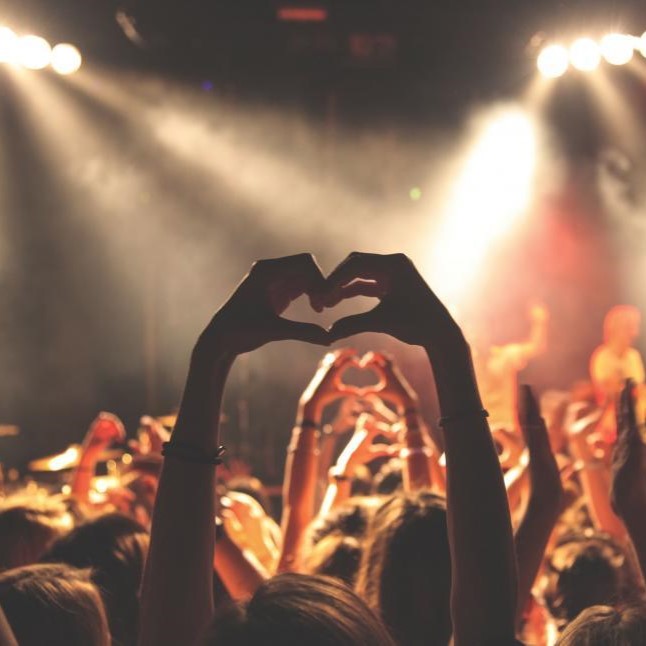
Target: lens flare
[(66, 59), (617, 49), (553, 61), (34, 52), (585, 55)]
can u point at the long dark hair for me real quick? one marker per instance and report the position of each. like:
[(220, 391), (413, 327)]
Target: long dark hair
[(299, 610), (405, 572)]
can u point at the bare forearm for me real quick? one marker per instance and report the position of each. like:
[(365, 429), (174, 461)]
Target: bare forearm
[(482, 551), (241, 574), (416, 456), (180, 560), (531, 540), (299, 495)]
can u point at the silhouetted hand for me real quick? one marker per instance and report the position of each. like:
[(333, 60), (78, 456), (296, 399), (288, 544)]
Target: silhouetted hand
[(408, 309), (251, 317), (628, 488)]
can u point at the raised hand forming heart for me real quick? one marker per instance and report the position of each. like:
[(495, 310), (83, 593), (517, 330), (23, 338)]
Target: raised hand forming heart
[(252, 315)]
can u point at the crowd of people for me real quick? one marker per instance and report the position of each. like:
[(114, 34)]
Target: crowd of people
[(529, 530)]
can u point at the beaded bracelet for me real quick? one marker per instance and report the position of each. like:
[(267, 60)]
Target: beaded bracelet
[(443, 421), (188, 453)]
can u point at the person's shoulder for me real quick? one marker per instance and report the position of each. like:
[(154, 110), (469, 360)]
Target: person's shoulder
[(600, 353)]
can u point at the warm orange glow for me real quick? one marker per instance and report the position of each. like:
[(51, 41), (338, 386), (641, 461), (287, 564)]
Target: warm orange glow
[(302, 14)]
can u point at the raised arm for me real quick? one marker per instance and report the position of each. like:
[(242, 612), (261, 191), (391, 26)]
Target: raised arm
[(359, 450), (628, 491), (180, 561), (302, 465), (104, 431), (482, 552), (420, 457), (6, 634), (545, 499)]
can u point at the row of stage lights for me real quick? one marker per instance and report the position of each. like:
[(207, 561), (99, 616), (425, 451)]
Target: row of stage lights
[(586, 54), (35, 53)]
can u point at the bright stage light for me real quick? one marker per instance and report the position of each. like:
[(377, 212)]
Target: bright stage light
[(492, 191), (642, 45), (66, 59), (8, 45), (553, 61), (585, 55), (34, 52), (617, 49)]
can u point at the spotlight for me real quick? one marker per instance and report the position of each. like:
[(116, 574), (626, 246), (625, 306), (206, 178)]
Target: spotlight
[(617, 49), (585, 55), (34, 52), (8, 45), (642, 45), (66, 59), (553, 61)]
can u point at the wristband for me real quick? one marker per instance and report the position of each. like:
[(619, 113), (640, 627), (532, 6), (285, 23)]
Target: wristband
[(307, 423), (338, 475), (458, 417), (189, 453)]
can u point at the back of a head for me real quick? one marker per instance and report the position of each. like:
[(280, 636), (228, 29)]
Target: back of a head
[(607, 626), (53, 604), (297, 610), (586, 571), (351, 518), (28, 529), (114, 547), (389, 479), (337, 556), (405, 573)]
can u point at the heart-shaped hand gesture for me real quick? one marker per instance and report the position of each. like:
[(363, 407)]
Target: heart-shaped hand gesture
[(251, 317), (394, 388), (407, 304), (326, 386)]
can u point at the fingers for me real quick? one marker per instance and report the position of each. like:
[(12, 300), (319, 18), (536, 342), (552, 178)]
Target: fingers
[(528, 410), (367, 288), (383, 451), (296, 275), (355, 324), (627, 428), (286, 330)]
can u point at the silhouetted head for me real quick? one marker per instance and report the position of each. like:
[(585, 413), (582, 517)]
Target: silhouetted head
[(53, 604), (335, 555), (351, 518), (28, 528), (405, 573), (115, 548), (389, 478), (607, 626), (299, 610), (583, 571)]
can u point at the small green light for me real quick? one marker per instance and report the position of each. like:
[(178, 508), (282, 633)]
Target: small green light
[(415, 194)]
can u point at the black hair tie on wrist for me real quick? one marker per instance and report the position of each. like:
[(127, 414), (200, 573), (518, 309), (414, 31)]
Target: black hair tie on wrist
[(189, 453)]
